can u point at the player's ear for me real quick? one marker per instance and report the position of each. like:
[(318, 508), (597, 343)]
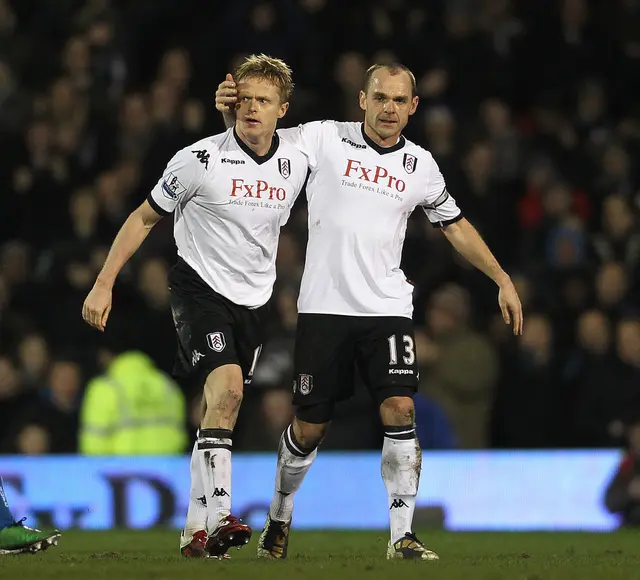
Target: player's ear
[(363, 101), (414, 105), (284, 107)]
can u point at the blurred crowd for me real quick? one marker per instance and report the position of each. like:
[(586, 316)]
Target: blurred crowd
[(529, 107)]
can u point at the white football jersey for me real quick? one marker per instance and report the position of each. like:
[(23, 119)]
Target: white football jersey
[(229, 205), (360, 196)]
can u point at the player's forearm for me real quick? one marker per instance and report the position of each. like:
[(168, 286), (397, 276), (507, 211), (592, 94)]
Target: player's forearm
[(130, 237), (467, 241)]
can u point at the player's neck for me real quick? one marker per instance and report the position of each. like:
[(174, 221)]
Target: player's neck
[(382, 142), (260, 144)]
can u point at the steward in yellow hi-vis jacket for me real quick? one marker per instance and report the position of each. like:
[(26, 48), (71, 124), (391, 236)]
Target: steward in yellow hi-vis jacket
[(133, 409)]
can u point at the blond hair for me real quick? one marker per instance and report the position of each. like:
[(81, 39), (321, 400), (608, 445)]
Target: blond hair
[(273, 70)]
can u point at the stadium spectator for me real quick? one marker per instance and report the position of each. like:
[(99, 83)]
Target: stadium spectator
[(460, 367), (133, 409), (34, 360), (622, 496), (588, 374), (55, 411), (14, 399)]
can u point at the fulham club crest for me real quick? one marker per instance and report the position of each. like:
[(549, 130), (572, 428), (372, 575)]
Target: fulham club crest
[(216, 341), (409, 162), (305, 384), (284, 165)]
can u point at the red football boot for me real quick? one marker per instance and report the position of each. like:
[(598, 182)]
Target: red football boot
[(194, 547), (231, 532)]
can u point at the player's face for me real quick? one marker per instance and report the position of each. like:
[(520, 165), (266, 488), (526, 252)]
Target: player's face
[(259, 107), (387, 103)]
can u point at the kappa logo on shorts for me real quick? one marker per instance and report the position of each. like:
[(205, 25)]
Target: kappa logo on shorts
[(216, 341), (305, 384), (195, 357), (409, 162)]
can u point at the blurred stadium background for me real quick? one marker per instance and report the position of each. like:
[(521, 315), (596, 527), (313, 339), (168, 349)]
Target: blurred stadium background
[(531, 109)]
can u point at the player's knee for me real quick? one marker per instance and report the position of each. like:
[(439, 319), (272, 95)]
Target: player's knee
[(316, 414), (309, 435), (397, 411), (223, 388)]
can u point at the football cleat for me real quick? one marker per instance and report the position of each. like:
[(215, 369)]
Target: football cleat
[(194, 546), (410, 548), (21, 539), (274, 539), (230, 533)]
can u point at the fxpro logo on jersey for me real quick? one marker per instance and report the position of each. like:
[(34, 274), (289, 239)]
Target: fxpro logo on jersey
[(259, 189), (368, 177)]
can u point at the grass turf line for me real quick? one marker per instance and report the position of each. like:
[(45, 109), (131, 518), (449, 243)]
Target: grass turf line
[(142, 555)]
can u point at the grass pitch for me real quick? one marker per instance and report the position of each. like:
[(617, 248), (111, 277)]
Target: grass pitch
[(153, 555)]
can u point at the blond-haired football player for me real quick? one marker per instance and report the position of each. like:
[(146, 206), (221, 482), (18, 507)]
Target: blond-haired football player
[(229, 194)]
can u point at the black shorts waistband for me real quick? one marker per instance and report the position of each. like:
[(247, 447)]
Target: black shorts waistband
[(183, 279)]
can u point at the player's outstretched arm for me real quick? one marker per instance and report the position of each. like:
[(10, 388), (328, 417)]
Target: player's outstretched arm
[(468, 242), (133, 232), (226, 100)]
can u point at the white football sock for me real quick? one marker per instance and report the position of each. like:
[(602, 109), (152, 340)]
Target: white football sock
[(401, 467), (294, 462), (197, 511), (214, 454)]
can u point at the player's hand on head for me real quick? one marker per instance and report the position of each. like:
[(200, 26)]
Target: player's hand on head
[(510, 306), (227, 95), (97, 306)]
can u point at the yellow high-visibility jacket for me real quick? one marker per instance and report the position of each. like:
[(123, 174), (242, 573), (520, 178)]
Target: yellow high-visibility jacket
[(133, 409)]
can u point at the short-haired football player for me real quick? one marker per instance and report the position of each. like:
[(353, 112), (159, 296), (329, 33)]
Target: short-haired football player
[(355, 302)]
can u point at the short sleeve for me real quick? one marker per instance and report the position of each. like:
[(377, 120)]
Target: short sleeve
[(180, 180), (439, 205), (307, 138)]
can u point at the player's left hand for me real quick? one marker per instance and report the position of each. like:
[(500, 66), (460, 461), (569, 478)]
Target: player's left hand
[(227, 96), (510, 306)]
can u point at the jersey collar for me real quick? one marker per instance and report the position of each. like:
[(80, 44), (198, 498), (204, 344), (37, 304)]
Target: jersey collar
[(275, 143), (382, 150)]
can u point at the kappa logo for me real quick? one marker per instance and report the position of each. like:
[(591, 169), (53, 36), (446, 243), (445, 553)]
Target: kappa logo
[(172, 188), (409, 162), (350, 142), (203, 157), (195, 357), (397, 504), (216, 341), (284, 165), (305, 384), (232, 161), (203, 500)]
